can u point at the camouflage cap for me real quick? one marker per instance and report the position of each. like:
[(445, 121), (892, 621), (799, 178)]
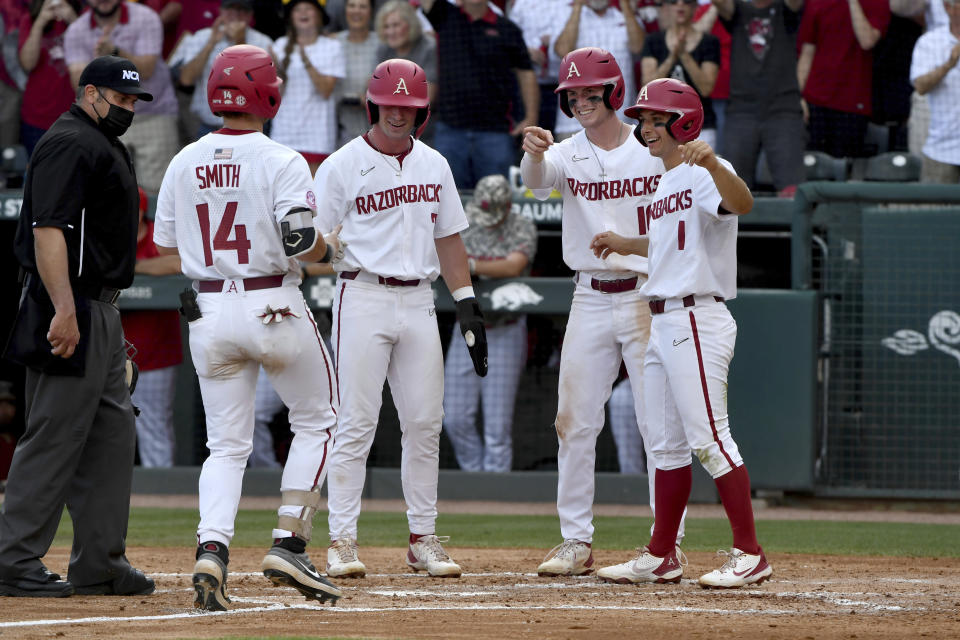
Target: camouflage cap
[(492, 199)]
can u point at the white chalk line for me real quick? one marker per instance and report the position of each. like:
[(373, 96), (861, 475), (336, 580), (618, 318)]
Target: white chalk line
[(273, 603)]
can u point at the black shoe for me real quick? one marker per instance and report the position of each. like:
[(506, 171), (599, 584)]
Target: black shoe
[(39, 583), (132, 583)]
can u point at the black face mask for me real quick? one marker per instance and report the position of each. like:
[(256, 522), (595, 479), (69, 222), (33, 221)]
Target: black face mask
[(117, 120)]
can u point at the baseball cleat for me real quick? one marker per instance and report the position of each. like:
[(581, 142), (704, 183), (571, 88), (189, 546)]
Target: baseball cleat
[(569, 558), (645, 568), (342, 560), (286, 568), (739, 570), (210, 583), (427, 554)]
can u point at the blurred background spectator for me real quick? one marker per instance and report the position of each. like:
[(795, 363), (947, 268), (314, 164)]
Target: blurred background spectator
[(12, 78), (337, 10), (401, 36), (49, 91), (705, 21), (835, 70), (360, 48), (193, 58), (631, 456), (934, 73), (169, 12), (159, 351), (310, 65), (892, 90), (595, 23), (483, 64), (684, 53), (538, 20), (8, 431), (499, 244), (132, 31), (763, 112)]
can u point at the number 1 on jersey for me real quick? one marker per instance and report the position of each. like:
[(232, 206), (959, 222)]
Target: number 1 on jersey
[(222, 241)]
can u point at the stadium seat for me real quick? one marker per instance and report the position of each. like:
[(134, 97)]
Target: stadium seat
[(823, 166), (894, 166)]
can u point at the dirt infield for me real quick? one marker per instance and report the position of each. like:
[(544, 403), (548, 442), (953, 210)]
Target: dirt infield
[(499, 597)]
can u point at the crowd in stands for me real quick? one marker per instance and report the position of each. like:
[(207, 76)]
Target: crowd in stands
[(850, 78)]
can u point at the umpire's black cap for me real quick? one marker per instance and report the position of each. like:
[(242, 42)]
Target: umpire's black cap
[(114, 72)]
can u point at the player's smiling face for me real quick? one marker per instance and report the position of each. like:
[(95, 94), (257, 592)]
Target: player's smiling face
[(653, 129), (587, 106), (397, 122)]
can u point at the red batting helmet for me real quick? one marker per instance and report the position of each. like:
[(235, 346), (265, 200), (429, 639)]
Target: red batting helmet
[(244, 80), (399, 83), (591, 67), (676, 98)]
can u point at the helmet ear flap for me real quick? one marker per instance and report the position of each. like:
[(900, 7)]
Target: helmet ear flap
[(373, 112), (607, 94), (565, 103)]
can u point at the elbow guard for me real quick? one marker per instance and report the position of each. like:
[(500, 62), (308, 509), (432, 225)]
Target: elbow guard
[(297, 232)]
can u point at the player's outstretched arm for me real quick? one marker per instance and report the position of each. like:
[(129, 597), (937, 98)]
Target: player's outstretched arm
[(736, 196), (536, 173), (607, 242)]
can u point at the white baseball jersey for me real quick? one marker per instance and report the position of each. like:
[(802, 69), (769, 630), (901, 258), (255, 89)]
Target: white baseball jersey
[(221, 203), (602, 191), (302, 103), (607, 31), (392, 209), (693, 246)]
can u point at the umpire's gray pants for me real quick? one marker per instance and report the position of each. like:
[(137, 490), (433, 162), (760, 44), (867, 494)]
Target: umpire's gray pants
[(77, 451)]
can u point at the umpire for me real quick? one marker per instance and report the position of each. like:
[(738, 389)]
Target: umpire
[(76, 243)]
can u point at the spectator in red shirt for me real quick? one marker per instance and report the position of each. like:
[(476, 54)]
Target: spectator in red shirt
[(48, 92), (835, 70), (156, 337), (169, 12), (196, 15)]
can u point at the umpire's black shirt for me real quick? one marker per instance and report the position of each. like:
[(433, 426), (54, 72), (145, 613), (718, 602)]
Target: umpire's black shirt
[(82, 182)]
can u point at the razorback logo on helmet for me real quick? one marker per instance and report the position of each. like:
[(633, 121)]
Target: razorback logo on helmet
[(401, 86), (573, 70)]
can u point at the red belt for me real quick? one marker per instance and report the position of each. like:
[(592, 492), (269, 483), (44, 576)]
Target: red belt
[(249, 284), (614, 286), (656, 306), (390, 282)]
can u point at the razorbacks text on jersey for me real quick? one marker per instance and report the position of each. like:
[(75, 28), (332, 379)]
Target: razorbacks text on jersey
[(602, 191), (391, 212), (686, 259), (235, 187)]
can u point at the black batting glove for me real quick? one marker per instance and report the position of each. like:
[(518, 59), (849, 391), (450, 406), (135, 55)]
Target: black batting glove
[(471, 326)]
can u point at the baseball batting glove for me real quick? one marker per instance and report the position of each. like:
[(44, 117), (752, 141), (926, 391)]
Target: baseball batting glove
[(471, 326)]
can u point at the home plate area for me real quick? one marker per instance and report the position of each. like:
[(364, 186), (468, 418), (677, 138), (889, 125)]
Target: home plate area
[(500, 596)]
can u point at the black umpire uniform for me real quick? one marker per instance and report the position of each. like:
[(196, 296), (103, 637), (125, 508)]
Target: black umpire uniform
[(78, 448)]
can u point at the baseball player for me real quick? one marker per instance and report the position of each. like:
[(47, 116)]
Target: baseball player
[(607, 180), (692, 246), (238, 208), (401, 215)]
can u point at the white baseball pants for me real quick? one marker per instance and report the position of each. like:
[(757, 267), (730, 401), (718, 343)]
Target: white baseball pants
[(229, 344), (386, 332)]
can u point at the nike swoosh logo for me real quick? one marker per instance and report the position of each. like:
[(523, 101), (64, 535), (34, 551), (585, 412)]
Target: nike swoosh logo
[(677, 343), (364, 172), (578, 159), (740, 574)]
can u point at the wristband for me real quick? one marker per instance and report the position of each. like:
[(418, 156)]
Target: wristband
[(328, 255), (463, 293)]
